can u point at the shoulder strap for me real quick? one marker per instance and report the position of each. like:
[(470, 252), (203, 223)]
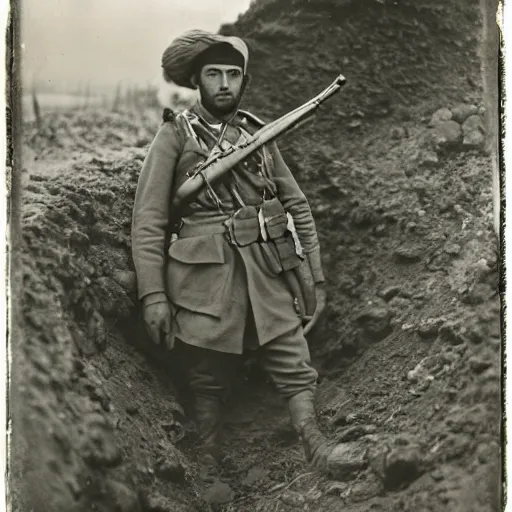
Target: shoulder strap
[(183, 124), (251, 119)]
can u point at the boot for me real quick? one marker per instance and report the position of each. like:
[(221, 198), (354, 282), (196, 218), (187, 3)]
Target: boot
[(303, 415), (208, 415)]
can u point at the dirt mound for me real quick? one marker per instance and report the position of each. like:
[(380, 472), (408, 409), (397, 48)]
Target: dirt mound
[(76, 294), (400, 186)]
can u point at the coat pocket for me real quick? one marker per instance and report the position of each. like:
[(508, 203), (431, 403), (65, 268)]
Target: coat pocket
[(198, 249), (197, 274)]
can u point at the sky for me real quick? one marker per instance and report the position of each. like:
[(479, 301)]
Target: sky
[(67, 42)]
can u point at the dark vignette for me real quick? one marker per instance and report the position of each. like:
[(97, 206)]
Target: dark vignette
[(13, 89)]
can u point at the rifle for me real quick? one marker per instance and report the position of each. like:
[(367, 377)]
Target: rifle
[(219, 163)]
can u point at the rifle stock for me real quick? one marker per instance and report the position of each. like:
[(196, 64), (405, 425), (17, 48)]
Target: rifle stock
[(216, 167)]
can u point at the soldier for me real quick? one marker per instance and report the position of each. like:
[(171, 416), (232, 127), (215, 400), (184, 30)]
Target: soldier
[(215, 289)]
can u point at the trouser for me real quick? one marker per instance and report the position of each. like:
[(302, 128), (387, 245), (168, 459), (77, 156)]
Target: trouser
[(285, 359)]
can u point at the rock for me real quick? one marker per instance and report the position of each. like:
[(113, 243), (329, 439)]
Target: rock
[(474, 332), (124, 499), (440, 116), (366, 489), (479, 364), (482, 269), (473, 123), (474, 139), (437, 475), (354, 124), (169, 468), (429, 329), (375, 322), (255, 475), (355, 432), (397, 462), (478, 294), (390, 292), (419, 373), (452, 249), (450, 332), (461, 112), (428, 159), (346, 460), (218, 493), (407, 254), (487, 452), (446, 135)]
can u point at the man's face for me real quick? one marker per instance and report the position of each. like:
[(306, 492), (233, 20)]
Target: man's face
[(220, 86)]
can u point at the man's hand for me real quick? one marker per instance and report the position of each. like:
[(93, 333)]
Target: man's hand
[(321, 300), (157, 318)]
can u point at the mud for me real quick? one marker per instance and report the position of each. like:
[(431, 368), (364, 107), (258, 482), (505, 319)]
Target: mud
[(409, 353)]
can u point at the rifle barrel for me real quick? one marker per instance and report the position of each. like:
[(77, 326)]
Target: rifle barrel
[(212, 170)]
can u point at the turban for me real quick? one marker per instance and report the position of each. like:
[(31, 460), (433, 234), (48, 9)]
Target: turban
[(182, 58)]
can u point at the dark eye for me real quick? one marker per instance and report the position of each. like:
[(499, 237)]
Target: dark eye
[(235, 72)]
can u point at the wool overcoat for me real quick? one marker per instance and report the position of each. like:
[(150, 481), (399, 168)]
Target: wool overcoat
[(223, 297)]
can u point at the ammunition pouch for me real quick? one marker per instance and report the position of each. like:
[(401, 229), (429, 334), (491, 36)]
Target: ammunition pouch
[(243, 226), (287, 254), (279, 251), (295, 270), (271, 255), (275, 218), (276, 225)]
